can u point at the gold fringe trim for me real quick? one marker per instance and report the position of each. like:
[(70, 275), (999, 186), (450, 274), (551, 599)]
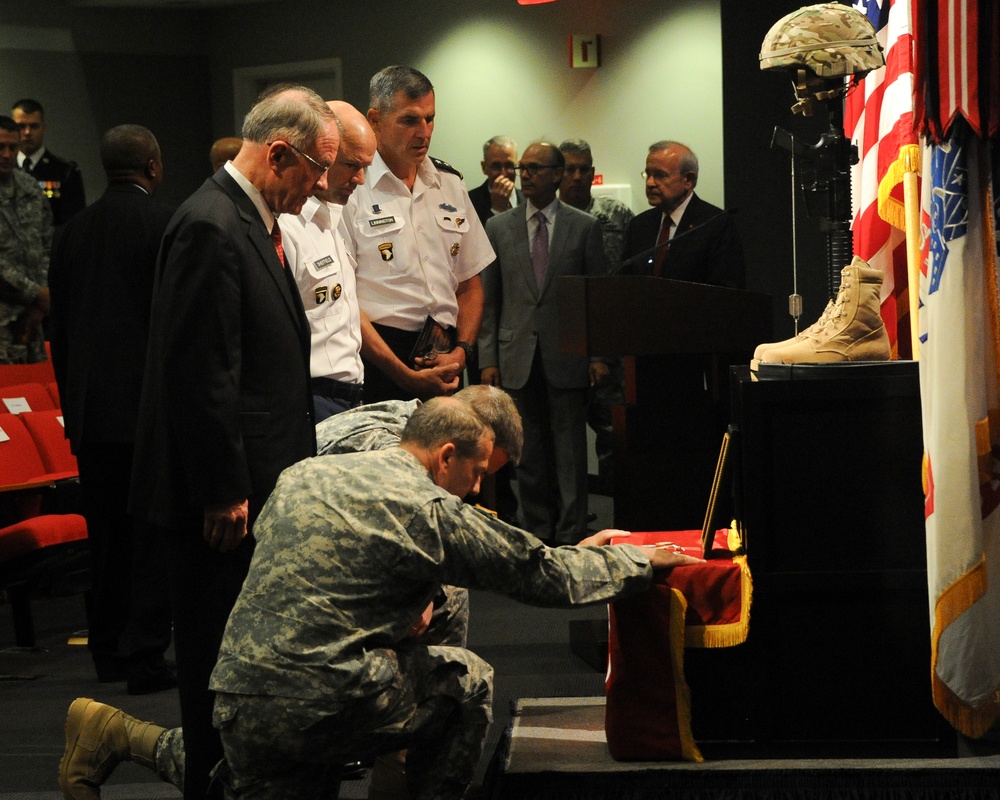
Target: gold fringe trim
[(983, 450), (990, 265), (732, 633), (682, 694), (924, 483), (889, 208), (953, 602)]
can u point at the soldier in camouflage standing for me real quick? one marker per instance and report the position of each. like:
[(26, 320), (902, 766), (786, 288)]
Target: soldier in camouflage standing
[(615, 216), (25, 241), (322, 660)]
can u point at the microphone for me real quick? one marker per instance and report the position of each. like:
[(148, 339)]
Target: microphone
[(645, 255)]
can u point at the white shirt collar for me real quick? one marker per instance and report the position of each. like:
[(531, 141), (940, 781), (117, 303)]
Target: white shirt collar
[(35, 157), (255, 196), (677, 213), (549, 211)]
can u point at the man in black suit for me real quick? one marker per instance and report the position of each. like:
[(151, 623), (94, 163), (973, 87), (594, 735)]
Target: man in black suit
[(58, 178), (710, 253), (226, 402), (497, 193), (101, 282)]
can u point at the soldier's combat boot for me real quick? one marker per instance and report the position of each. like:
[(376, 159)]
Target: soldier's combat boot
[(98, 738), (760, 353), (853, 330)]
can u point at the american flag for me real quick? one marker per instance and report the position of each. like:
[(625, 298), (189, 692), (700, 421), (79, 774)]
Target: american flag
[(878, 119)]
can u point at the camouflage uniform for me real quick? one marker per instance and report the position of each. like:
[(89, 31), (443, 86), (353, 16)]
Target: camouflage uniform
[(315, 667), (615, 217), (25, 243), (375, 426)]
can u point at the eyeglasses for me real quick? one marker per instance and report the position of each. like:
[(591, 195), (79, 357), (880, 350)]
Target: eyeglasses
[(531, 169), (497, 166), (322, 169), (656, 175)]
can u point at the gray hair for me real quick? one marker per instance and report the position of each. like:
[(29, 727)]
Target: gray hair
[(577, 147), (294, 114), (126, 150), (442, 420), (390, 81), (496, 408), (688, 162), (498, 141)]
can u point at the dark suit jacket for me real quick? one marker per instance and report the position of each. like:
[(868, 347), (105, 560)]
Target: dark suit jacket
[(101, 279), (517, 317), (711, 255), (226, 403), (481, 200), (63, 185)]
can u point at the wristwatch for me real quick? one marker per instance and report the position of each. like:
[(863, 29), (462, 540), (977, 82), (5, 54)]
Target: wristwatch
[(467, 348)]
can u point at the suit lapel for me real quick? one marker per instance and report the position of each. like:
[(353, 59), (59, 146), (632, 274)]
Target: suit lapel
[(261, 240), (557, 244), (525, 270)]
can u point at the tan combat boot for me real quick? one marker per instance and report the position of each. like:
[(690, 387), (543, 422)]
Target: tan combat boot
[(98, 738), (853, 330), (760, 353)]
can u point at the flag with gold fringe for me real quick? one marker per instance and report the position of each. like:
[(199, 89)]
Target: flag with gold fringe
[(960, 397), (878, 119)]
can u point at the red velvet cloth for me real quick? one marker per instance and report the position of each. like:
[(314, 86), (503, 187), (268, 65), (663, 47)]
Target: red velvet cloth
[(648, 712)]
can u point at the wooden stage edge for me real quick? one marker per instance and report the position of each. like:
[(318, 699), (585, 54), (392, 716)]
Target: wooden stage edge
[(555, 749)]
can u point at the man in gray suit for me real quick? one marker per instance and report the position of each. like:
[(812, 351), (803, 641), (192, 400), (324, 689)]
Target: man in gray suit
[(535, 243)]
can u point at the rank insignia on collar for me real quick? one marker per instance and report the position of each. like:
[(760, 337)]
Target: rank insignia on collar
[(376, 209), (320, 293), (447, 207), (455, 249), (386, 250)]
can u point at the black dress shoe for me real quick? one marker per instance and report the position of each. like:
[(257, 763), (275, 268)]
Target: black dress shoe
[(353, 771), (143, 679)]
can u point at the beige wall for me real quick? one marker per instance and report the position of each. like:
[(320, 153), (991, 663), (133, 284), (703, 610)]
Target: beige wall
[(498, 68)]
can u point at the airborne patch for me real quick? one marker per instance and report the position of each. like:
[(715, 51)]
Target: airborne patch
[(386, 250)]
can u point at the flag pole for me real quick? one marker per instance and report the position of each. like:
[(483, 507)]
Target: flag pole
[(911, 204)]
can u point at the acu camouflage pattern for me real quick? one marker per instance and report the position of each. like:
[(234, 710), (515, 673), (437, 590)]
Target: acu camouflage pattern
[(374, 426), (615, 217), (350, 550), (25, 243), (830, 39)]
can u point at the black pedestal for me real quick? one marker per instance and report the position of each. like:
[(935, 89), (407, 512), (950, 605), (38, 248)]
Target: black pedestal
[(828, 488)]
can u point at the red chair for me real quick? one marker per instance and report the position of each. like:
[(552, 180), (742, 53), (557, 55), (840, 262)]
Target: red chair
[(53, 389), (48, 432), (38, 552), (11, 374), (25, 397)]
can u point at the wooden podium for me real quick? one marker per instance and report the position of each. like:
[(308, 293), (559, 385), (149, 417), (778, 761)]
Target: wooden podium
[(678, 340)]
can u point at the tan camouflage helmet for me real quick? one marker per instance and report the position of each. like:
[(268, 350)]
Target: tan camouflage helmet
[(829, 39)]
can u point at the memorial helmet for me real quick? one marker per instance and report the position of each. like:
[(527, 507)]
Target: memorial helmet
[(829, 39)]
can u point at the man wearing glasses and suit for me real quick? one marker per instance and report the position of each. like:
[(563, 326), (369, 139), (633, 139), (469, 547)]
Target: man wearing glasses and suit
[(226, 403), (710, 251), (536, 243)]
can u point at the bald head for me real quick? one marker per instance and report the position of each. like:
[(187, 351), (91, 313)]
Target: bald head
[(357, 149), (223, 150)]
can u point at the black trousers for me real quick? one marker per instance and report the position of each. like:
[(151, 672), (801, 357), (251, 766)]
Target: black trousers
[(204, 586), (130, 616)]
